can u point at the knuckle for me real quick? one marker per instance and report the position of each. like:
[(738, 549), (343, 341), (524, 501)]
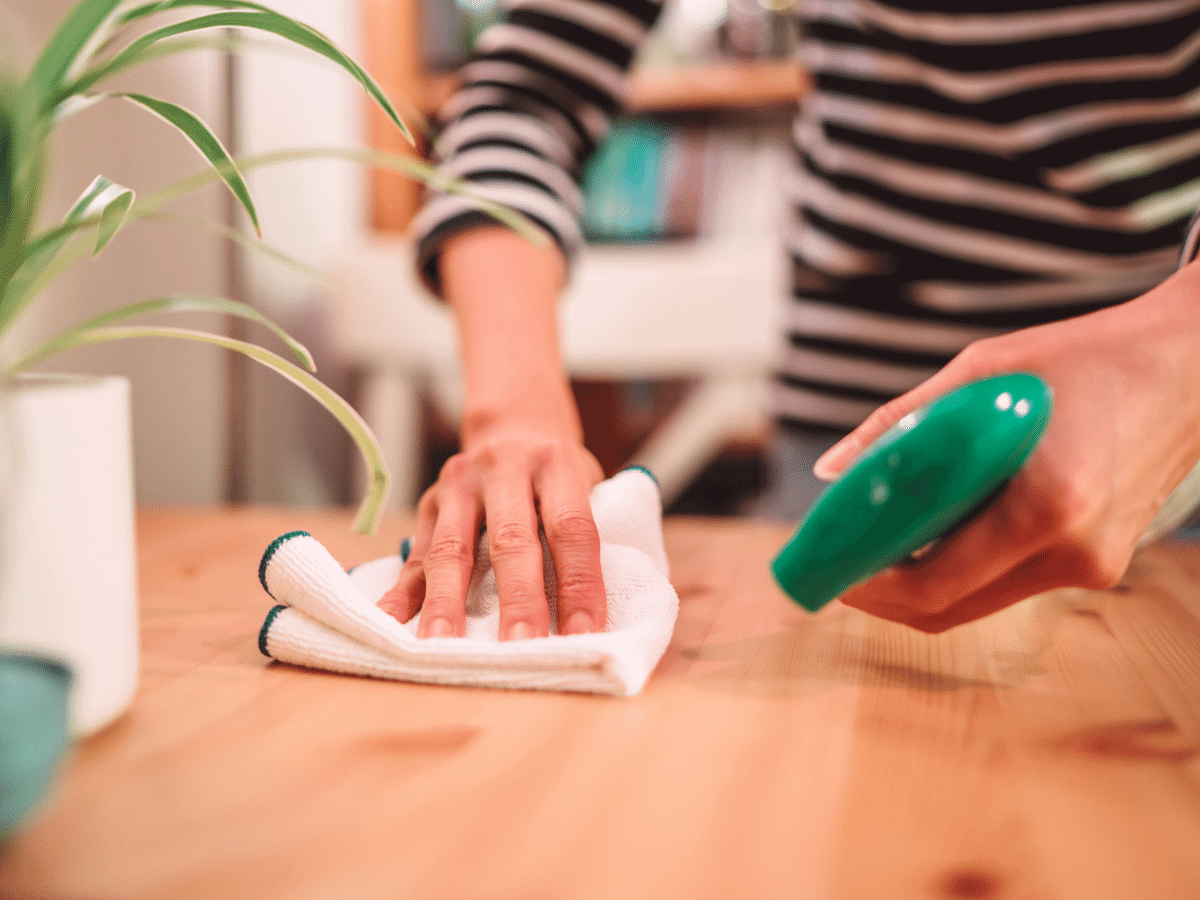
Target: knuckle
[(1103, 568), (1073, 512), (524, 453), (1062, 509), (579, 583), (490, 453), (512, 539), (427, 505), (449, 550), (455, 470), (524, 599), (1019, 521), (883, 416), (573, 524), (929, 597), (442, 604), (405, 598), (545, 455), (979, 356), (526, 606)]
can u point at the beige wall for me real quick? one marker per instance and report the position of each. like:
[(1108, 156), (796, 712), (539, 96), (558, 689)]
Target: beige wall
[(296, 452), (178, 389)]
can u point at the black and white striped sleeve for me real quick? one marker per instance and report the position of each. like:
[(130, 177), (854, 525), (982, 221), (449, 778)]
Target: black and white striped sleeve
[(537, 96)]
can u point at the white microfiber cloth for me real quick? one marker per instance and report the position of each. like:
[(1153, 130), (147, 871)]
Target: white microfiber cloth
[(327, 618)]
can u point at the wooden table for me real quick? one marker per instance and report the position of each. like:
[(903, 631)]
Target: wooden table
[(1052, 751)]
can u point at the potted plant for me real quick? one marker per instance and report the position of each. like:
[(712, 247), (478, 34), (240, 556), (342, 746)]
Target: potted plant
[(67, 582)]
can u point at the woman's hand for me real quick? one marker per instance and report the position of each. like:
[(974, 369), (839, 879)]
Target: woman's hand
[(510, 480), (1124, 431), (523, 463)]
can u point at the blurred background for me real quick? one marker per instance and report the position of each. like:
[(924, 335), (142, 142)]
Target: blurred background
[(687, 183)]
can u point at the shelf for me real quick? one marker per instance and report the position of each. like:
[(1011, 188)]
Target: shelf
[(713, 86), (727, 85), (392, 36)]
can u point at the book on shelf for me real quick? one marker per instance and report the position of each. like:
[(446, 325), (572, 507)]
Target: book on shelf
[(645, 183)]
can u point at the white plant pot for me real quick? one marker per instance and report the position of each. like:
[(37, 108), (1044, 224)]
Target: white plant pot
[(68, 576)]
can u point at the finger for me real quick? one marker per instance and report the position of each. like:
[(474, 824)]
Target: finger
[(980, 552), (404, 598), (516, 555), (1044, 571), (837, 458), (575, 547), (447, 563)]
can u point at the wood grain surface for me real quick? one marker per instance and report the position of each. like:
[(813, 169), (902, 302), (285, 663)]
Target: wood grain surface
[(1050, 751)]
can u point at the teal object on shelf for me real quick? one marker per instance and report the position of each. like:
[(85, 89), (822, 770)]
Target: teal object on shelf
[(34, 694), (926, 475), (623, 183)]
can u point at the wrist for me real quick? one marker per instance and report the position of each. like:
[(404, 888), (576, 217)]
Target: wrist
[(547, 408), (1169, 317), (504, 293)]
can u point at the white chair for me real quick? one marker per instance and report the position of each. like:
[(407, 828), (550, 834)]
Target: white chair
[(707, 310)]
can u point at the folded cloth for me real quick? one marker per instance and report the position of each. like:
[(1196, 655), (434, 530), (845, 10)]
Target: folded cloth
[(327, 618)]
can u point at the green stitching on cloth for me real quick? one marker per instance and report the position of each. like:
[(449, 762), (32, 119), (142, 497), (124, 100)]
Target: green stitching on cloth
[(262, 632), (270, 551), (642, 469)]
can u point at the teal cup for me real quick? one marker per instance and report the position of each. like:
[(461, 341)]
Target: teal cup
[(34, 693)]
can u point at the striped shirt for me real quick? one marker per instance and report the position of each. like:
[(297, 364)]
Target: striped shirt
[(959, 173)]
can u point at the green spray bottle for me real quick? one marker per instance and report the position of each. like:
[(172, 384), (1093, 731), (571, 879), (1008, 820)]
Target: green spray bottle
[(932, 471)]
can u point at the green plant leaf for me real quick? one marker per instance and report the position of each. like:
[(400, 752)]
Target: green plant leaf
[(371, 508), (226, 42), (41, 249), (91, 210), (149, 9), (245, 240), (73, 105), (175, 303), (35, 274), (83, 26), (112, 218), (241, 15), (206, 142), (417, 169), (90, 202), (87, 212)]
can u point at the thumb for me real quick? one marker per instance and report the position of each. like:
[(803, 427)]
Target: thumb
[(834, 461)]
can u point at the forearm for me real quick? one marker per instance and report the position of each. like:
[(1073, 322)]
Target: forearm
[(523, 470), (534, 101), (504, 293)]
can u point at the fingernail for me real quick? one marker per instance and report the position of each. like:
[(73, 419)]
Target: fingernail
[(579, 622), (826, 467), (439, 628), (520, 631)]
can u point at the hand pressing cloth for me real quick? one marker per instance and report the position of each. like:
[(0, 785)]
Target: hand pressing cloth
[(327, 618)]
